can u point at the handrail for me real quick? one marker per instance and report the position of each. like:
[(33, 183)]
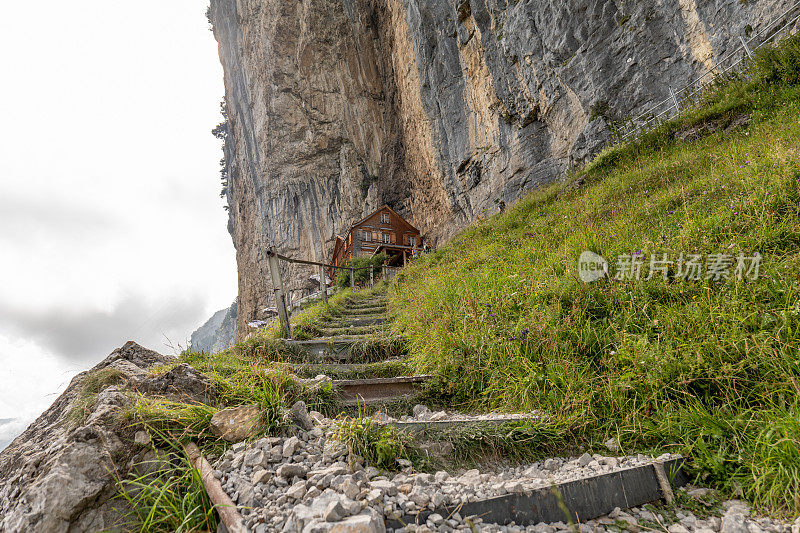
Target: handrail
[(283, 307), (640, 124)]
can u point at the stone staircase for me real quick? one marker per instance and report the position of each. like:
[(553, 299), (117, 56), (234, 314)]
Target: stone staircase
[(361, 324), (305, 485)]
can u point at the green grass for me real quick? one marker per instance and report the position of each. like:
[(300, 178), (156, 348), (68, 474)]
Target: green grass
[(165, 494), (380, 446), (91, 385), (476, 444), (707, 368), (360, 276)]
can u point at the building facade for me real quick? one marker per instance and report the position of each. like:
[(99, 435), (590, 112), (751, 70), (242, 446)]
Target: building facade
[(382, 231)]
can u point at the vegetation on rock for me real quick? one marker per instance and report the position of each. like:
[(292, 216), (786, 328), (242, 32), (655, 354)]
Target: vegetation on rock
[(708, 368)]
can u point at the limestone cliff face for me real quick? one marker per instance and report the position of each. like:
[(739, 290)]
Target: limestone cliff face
[(436, 107), (217, 333)]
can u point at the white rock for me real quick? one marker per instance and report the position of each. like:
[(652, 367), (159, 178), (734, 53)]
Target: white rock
[(514, 487), (254, 457), (551, 464), (350, 489), (419, 498), (733, 523), (436, 519), (421, 411), (297, 491), (385, 486), (142, 438), (291, 446), (260, 476), (289, 470), (334, 512), (585, 459)]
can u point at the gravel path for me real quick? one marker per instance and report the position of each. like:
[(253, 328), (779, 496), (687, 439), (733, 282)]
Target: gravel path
[(424, 414), (307, 483)]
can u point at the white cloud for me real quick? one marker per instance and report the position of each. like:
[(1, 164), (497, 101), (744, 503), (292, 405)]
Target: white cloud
[(111, 225), (32, 378)]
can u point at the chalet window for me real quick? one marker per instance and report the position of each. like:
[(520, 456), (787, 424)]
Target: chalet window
[(387, 238), (366, 236), (385, 218), (412, 241), (376, 236)]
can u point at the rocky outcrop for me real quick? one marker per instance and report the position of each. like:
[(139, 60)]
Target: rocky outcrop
[(438, 108), (58, 476), (217, 334)]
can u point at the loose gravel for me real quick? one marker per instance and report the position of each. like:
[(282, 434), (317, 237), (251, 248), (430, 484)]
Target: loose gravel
[(424, 414), (308, 483)]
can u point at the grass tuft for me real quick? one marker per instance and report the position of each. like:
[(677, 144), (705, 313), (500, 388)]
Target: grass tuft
[(90, 387)]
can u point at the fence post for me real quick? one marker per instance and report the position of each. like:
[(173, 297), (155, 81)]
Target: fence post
[(674, 100), (385, 272), (352, 278), (323, 284), (746, 48), (371, 276), (280, 293)]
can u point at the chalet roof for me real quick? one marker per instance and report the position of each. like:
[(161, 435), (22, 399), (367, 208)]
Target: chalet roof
[(380, 208)]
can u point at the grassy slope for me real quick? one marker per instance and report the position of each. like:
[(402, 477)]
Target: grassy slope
[(706, 368)]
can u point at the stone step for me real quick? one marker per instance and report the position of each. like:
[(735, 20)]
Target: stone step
[(356, 322), (370, 305), (376, 311), (416, 426), (356, 330), (328, 348), (346, 370), (357, 315), (584, 499), (377, 390)]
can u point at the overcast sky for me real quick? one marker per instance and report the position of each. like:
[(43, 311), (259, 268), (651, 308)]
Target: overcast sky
[(111, 225)]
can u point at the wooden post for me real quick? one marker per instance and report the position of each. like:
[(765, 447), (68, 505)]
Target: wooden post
[(226, 509), (323, 284), (746, 48), (385, 272), (404, 258), (352, 278), (371, 276), (280, 293), (674, 100)]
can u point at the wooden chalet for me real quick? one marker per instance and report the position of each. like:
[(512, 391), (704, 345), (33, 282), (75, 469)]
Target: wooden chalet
[(382, 231)]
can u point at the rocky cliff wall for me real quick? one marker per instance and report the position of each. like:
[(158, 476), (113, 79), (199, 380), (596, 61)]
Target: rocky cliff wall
[(437, 107), (217, 334)]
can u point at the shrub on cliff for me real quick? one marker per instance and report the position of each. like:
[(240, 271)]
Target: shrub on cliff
[(362, 265)]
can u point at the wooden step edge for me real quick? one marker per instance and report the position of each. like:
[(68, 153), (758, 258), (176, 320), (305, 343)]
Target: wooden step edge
[(381, 381), (416, 426), (584, 499), (359, 401)]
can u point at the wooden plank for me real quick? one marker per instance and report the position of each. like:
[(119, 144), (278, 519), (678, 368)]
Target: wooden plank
[(226, 509), (584, 499)]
